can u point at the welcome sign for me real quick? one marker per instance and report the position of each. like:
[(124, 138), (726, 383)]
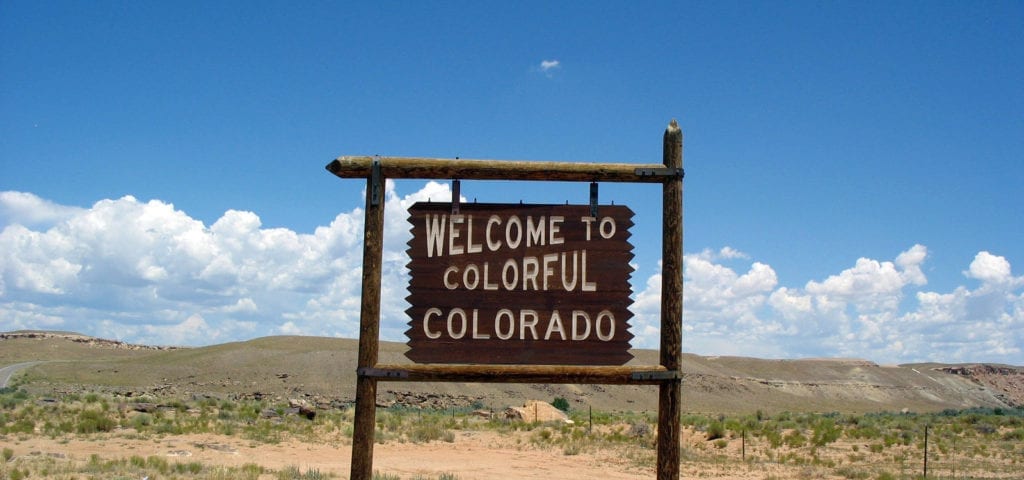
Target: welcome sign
[(519, 284)]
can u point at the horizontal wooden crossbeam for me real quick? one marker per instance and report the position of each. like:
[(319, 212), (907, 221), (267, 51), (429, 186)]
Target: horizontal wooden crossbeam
[(466, 169), (628, 375)]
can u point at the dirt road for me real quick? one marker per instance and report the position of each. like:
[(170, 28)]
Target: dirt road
[(7, 372)]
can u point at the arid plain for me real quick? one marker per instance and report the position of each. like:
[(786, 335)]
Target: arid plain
[(280, 407)]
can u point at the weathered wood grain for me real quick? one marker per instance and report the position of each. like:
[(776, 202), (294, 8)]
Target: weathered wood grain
[(466, 169)]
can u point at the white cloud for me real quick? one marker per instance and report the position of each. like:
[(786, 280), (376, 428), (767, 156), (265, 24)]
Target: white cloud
[(910, 264), (144, 271), (147, 272), (548, 65), (858, 312), (990, 269), (728, 252), (28, 209)]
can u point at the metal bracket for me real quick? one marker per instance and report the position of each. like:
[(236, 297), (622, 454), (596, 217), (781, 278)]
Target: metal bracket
[(593, 199), (456, 195), (660, 172), (381, 373), (657, 375), (376, 183)]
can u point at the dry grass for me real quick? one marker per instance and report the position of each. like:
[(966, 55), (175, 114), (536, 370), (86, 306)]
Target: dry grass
[(236, 396), (979, 443)]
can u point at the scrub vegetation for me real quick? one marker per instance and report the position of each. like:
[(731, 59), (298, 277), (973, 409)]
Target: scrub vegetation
[(975, 443)]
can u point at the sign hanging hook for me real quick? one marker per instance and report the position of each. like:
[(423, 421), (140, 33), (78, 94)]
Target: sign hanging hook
[(593, 199), (376, 182), (456, 195)]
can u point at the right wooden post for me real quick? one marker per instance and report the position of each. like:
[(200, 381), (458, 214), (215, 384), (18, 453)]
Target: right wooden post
[(669, 392)]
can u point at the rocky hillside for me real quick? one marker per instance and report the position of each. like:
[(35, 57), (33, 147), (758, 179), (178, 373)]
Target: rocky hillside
[(321, 371), (1006, 381)]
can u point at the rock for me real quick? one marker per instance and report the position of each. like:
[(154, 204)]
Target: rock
[(537, 411)]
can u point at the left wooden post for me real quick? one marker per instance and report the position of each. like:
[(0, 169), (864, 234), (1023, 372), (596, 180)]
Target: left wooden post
[(369, 329)]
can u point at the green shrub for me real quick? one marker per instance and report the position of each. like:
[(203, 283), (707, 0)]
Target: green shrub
[(561, 404), (825, 432), (22, 425), (428, 430), (715, 430), (795, 439), (91, 421)]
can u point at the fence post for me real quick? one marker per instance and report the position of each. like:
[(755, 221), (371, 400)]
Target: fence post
[(926, 451)]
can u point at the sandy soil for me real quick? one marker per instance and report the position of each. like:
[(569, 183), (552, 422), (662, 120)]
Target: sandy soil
[(477, 455), (473, 455)]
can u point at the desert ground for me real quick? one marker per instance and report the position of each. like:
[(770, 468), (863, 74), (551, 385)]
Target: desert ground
[(99, 409)]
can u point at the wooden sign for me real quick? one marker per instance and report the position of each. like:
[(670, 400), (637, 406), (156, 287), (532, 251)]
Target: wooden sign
[(519, 284)]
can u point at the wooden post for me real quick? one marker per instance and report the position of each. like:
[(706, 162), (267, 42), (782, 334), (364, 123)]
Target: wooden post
[(369, 331), (669, 393), (926, 450)]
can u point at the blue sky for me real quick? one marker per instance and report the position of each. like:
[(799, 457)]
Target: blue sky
[(853, 168)]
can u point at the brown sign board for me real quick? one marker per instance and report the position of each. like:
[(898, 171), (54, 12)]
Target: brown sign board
[(519, 284)]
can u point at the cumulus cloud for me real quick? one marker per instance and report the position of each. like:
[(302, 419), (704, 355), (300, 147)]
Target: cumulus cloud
[(29, 210), (144, 271), (990, 268), (862, 311)]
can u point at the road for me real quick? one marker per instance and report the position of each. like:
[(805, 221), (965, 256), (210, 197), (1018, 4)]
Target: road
[(7, 372)]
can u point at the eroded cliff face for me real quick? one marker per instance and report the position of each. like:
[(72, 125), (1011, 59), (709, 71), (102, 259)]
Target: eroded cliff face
[(1006, 381)]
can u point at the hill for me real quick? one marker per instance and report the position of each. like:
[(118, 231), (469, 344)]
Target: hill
[(322, 371)]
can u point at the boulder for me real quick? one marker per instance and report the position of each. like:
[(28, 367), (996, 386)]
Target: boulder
[(537, 411)]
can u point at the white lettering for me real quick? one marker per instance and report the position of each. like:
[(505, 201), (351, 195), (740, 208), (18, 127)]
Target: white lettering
[(456, 312), (513, 220), (453, 233), (471, 268), (528, 324), (576, 316), (435, 234), (588, 221), (476, 328), (426, 326), (487, 284), (448, 284), (611, 325), (510, 283), (507, 334), (462, 323), (534, 232), (470, 246), (548, 270), (610, 231), (555, 325), (496, 244), (531, 268), (569, 286), (587, 286), (554, 227)]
